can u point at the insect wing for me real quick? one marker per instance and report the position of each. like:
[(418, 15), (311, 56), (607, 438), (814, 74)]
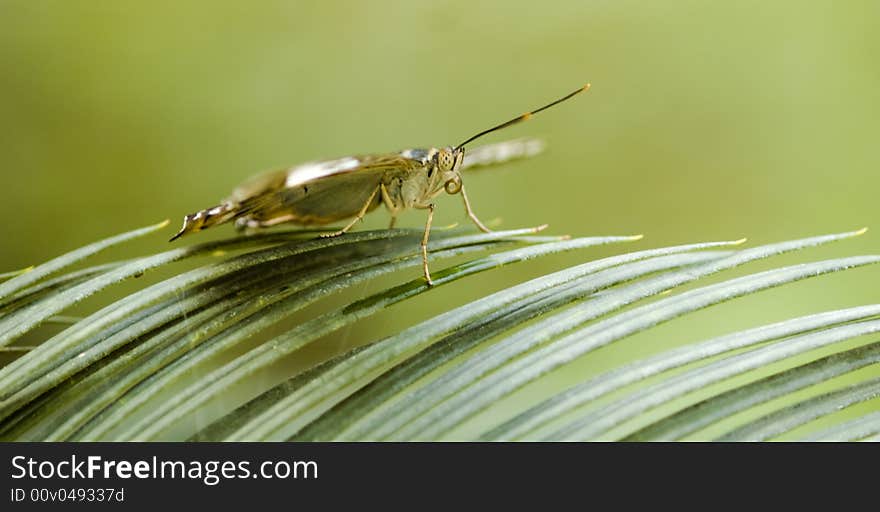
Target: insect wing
[(493, 154), (314, 171), (318, 192)]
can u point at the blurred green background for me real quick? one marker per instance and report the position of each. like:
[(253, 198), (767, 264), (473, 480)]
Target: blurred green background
[(706, 121)]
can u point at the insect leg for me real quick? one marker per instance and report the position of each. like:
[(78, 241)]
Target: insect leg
[(389, 205), (425, 245), (470, 212), (358, 217)]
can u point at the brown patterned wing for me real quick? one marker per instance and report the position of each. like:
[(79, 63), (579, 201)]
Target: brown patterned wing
[(317, 193), (311, 193)]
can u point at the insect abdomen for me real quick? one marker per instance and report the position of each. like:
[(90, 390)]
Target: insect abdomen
[(206, 218)]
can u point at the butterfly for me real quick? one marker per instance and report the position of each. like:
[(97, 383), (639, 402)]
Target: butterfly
[(328, 191)]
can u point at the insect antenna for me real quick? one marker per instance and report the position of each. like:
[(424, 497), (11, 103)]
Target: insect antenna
[(522, 117)]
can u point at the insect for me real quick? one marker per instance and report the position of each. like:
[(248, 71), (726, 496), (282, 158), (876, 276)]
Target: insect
[(323, 192)]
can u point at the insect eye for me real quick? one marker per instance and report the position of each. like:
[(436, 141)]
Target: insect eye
[(453, 186)]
